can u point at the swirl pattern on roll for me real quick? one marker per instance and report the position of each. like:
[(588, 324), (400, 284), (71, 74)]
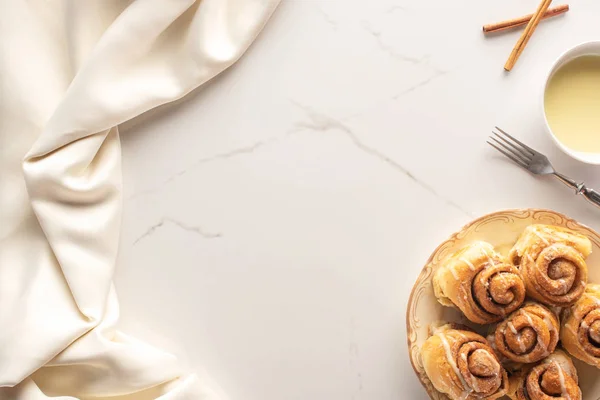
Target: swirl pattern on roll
[(461, 364), (580, 330), (554, 378), (479, 282), (528, 334), (552, 262)]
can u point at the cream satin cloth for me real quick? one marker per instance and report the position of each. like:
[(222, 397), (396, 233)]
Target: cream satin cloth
[(70, 73)]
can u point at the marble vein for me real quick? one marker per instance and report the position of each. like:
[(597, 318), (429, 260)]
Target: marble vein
[(320, 122), (221, 156), (330, 21), (189, 228), (389, 49), (436, 75), (317, 122)]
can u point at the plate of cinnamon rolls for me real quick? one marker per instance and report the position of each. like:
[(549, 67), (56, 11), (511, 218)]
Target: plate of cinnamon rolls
[(509, 308)]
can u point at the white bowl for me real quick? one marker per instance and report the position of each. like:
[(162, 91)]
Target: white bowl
[(587, 48)]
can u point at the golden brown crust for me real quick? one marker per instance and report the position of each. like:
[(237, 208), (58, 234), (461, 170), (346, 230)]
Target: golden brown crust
[(479, 282), (580, 328), (461, 364), (554, 378), (552, 262), (528, 334)]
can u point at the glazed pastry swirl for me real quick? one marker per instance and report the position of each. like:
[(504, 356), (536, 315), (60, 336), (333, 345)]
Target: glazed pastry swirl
[(580, 331), (479, 282), (461, 364), (528, 334), (555, 378), (551, 261)]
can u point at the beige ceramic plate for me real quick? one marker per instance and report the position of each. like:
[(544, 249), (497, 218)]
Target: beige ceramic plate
[(502, 230)]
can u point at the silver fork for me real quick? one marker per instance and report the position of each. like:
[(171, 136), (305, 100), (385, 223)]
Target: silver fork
[(536, 163)]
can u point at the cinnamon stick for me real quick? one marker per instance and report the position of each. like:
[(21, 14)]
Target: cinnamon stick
[(522, 42), (516, 22)]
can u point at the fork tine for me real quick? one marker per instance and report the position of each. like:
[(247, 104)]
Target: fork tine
[(516, 160), (514, 146), (523, 159), (518, 141)]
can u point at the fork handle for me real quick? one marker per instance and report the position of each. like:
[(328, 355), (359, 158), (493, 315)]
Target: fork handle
[(589, 194)]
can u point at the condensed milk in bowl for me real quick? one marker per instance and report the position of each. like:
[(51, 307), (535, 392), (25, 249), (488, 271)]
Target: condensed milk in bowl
[(571, 102)]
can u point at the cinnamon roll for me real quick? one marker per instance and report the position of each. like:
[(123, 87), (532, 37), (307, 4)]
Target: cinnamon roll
[(553, 378), (461, 364), (528, 334), (551, 261), (480, 282), (580, 330)]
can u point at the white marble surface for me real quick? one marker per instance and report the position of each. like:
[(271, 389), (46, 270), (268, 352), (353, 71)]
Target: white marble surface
[(276, 219)]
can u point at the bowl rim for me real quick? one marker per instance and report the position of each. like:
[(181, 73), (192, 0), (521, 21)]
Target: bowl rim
[(454, 236), (564, 57)]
